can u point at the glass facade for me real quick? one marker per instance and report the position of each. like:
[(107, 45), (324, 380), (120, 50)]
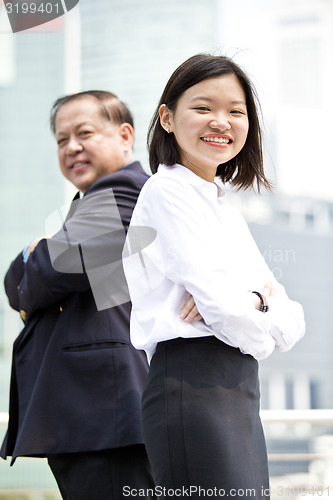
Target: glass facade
[(131, 48)]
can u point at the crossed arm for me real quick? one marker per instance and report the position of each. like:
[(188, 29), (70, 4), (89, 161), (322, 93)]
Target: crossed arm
[(189, 312)]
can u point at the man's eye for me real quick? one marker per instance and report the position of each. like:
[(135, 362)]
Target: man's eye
[(61, 141)]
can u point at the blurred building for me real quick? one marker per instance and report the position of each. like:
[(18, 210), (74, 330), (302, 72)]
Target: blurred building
[(295, 236), (31, 77), (29, 174), (287, 46), (131, 48), (127, 47)]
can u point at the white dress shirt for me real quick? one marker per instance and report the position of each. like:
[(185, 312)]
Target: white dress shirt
[(185, 238)]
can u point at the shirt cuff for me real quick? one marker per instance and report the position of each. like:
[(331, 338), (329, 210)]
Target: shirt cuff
[(25, 255)]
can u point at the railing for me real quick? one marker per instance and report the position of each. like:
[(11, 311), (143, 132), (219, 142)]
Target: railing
[(297, 416), (3, 419), (294, 417), (270, 417), (318, 480)]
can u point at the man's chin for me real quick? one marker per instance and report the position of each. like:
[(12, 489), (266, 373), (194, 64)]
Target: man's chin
[(82, 182)]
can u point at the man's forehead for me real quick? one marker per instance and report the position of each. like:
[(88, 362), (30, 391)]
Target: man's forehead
[(87, 103), (80, 110)]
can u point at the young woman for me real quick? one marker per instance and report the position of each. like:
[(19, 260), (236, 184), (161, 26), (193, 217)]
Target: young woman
[(201, 403)]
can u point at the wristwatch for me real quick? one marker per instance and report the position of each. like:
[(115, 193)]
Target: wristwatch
[(263, 305)]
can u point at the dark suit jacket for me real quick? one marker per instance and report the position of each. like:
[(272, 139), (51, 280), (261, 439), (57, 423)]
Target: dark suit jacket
[(76, 380)]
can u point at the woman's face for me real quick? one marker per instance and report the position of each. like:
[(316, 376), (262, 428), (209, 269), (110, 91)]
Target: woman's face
[(210, 124)]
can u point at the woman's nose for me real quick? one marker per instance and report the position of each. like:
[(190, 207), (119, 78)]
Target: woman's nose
[(220, 122)]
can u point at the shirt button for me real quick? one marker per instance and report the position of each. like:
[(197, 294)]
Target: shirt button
[(23, 314)]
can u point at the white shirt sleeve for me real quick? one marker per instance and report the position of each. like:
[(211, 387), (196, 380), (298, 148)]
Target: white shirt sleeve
[(218, 263)]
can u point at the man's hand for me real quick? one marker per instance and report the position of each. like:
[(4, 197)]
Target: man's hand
[(33, 245), (189, 312), (35, 242)]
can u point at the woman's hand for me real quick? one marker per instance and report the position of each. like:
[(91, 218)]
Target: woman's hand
[(267, 291), (189, 312)]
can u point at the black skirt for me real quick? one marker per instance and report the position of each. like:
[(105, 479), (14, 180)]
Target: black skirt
[(201, 421)]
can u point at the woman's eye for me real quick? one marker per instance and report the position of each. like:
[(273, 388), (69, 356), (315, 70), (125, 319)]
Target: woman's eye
[(202, 108), (237, 112)]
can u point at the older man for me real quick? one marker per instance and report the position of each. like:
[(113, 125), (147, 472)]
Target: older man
[(76, 379)]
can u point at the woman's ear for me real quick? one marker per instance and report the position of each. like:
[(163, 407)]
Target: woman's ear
[(165, 117)]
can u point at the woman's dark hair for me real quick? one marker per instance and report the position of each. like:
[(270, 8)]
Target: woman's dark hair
[(246, 168), (112, 108)]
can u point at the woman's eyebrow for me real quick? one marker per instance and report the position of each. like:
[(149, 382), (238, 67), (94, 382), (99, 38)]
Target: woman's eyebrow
[(209, 99), (238, 102), (201, 98)]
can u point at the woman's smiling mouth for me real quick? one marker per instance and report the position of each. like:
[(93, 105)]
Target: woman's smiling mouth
[(215, 140)]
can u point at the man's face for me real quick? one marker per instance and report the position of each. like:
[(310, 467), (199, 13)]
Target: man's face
[(89, 145)]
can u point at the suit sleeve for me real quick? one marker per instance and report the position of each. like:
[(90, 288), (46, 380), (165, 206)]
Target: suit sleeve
[(90, 241), (13, 279)]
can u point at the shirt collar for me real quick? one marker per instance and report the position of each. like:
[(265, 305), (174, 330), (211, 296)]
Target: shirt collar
[(210, 189)]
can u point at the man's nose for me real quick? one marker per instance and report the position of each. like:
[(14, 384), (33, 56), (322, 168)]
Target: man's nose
[(74, 146)]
